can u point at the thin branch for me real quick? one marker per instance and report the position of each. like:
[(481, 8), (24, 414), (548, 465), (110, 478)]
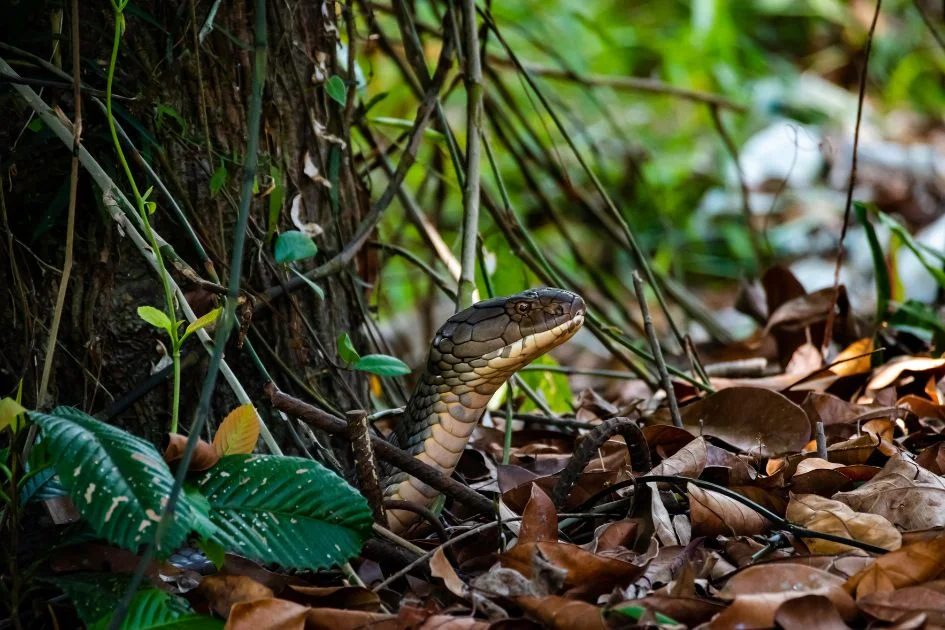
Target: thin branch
[(70, 220), (657, 351), (831, 314), (466, 288)]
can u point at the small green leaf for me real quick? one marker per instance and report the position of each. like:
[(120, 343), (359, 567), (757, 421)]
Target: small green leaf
[(35, 125), (382, 365), (319, 292), (402, 123), (346, 349), (881, 271), (151, 207), (10, 410), (202, 322), (156, 318), (635, 612), (335, 88), (294, 245), (275, 201), (218, 179)]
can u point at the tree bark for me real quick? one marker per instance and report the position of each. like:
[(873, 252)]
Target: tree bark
[(188, 118)]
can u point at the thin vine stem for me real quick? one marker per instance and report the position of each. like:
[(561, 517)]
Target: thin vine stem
[(172, 331)]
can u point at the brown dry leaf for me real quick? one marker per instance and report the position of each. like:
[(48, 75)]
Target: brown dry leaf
[(759, 591), (933, 459), (810, 611), (823, 481), (854, 359), (890, 373), (688, 461), (833, 517), (612, 535), (275, 614), (588, 574), (563, 614), (805, 360), (805, 310), (665, 439), (883, 430), (928, 598), (907, 566), (224, 591), (540, 518), (714, 514), (757, 421), (906, 494), (592, 406), (440, 567), (347, 597), (814, 463), (856, 450), (830, 409), (204, 457), (922, 407), (238, 432)]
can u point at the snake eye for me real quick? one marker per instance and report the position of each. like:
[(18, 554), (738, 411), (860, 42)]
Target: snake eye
[(522, 308)]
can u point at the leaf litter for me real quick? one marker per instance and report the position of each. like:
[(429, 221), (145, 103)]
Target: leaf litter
[(740, 520)]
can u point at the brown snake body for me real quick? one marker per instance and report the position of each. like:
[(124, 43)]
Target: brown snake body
[(473, 354)]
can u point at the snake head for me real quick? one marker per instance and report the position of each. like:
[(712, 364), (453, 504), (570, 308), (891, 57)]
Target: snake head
[(503, 334)]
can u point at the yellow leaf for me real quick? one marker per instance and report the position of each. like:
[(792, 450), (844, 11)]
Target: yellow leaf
[(850, 366), (238, 432), (9, 411)]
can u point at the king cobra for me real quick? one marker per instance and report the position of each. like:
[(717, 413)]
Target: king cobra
[(474, 353)]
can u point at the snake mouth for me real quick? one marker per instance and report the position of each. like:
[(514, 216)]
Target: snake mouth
[(530, 347)]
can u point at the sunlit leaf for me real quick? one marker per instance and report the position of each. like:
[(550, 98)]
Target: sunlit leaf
[(382, 365), (151, 609), (203, 321), (155, 317), (346, 349), (9, 411), (238, 432)]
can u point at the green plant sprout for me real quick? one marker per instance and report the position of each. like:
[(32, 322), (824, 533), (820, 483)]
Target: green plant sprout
[(160, 320)]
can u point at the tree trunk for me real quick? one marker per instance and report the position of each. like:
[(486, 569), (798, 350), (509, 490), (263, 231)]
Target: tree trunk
[(188, 119)]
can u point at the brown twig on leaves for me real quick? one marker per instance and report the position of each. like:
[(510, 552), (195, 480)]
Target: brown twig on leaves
[(384, 450)]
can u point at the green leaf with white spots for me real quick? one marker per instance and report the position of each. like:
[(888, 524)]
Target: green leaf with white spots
[(286, 510), (118, 482)]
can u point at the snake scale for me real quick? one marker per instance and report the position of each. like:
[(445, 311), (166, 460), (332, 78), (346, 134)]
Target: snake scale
[(473, 354)]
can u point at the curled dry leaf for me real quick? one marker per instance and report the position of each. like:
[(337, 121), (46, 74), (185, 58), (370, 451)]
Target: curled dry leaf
[(754, 420), (539, 519), (714, 514), (759, 590), (688, 461), (204, 458), (890, 373), (238, 432), (856, 450), (347, 597), (908, 566), (224, 591), (927, 599), (281, 614), (805, 360), (440, 567), (933, 459), (833, 517), (906, 494)]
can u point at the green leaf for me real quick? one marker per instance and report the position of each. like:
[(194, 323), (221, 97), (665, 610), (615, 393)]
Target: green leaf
[(319, 292), (218, 179), (346, 349), (294, 245), (913, 245), (152, 609), (635, 612), (553, 386), (335, 88), (289, 511), (382, 365), (118, 482), (10, 410), (36, 125), (275, 201), (41, 486), (162, 111), (93, 594), (156, 318), (202, 322), (881, 271), (214, 551)]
